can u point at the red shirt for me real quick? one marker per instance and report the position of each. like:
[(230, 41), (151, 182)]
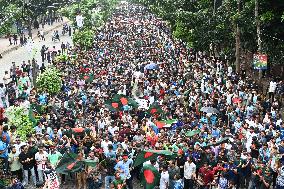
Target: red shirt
[(208, 175)]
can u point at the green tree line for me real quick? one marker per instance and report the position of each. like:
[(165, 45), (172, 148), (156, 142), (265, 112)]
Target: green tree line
[(216, 25)]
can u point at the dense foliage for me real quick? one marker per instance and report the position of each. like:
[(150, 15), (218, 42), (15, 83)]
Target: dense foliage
[(213, 28), (25, 12), (49, 81), (84, 38), (95, 12), (19, 117)]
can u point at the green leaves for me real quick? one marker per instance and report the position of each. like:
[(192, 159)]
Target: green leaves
[(19, 117), (49, 81), (84, 38)]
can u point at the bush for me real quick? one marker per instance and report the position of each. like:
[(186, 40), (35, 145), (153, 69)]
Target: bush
[(19, 117), (84, 38), (49, 81)]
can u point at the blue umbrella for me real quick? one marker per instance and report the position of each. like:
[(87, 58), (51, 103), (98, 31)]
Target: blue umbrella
[(151, 66)]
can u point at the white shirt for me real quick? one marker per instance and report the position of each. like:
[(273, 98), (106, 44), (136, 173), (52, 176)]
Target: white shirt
[(18, 146), (164, 180), (189, 170), (105, 144), (272, 86), (41, 159)]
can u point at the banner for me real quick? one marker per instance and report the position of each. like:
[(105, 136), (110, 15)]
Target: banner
[(260, 61)]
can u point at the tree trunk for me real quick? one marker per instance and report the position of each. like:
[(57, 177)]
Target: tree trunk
[(30, 28), (259, 47), (238, 42)]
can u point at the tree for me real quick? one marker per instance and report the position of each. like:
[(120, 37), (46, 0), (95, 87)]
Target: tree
[(18, 116), (84, 38), (49, 81), (206, 23)]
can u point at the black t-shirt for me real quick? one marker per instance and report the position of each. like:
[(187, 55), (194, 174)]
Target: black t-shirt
[(23, 157)]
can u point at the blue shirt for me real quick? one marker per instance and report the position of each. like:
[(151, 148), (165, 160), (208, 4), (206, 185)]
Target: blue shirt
[(3, 147), (7, 137), (124, 167)]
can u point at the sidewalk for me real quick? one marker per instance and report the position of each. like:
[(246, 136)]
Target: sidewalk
[(6, 48)]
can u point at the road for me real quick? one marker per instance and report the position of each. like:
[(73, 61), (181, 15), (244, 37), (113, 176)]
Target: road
[(21, 54)]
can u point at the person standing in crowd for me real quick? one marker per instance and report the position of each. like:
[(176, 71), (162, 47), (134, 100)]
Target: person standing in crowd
[(15, 39), (41, 158), (165, 178), (27, 160), (124, 167), (118, 183), (15, 165), (10, 39), (189, 173)]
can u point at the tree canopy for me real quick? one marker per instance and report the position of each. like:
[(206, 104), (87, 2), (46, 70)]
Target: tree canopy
[(203, 25)]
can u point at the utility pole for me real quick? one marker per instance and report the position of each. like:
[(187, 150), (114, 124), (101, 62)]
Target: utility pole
[(238, 41), (258, 32)]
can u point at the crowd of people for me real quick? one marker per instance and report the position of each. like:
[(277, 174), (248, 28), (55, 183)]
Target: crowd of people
[(239, 130)]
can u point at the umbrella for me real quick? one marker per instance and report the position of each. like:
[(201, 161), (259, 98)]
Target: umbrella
[(151, 66), (51, 50), (209, 110)]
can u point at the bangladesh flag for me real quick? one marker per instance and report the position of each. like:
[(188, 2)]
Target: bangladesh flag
[(69, 163), (155, 109), (150, 176), (124, 100), (88, 77), (144, 156), (112, 106)]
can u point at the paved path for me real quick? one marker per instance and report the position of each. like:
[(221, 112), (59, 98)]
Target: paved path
[(6, 48), (21, 54)]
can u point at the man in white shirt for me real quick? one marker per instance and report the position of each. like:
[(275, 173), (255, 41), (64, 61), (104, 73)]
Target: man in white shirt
[(271, 90), (105, 143), (165, 178), (189, 173), (41, 158)]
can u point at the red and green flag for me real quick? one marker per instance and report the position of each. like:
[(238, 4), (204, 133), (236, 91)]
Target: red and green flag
[(112, 106), (124, 100), (165, 123), (150, 176), (118, 101), (88, 77), (147, 155), (155, 109), (69, 163)]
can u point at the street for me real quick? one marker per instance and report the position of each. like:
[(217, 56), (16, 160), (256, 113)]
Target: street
[(20, 55)]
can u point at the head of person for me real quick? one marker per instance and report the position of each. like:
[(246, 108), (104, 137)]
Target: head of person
[(125, 157), (117, 175)]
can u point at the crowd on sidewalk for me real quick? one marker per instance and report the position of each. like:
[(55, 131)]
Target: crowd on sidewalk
[(236, 135)]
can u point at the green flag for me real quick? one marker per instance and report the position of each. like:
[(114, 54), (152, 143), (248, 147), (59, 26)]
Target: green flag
[(69, 164), (192, 133), (150, 176), (155, 109), (147, 155)]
